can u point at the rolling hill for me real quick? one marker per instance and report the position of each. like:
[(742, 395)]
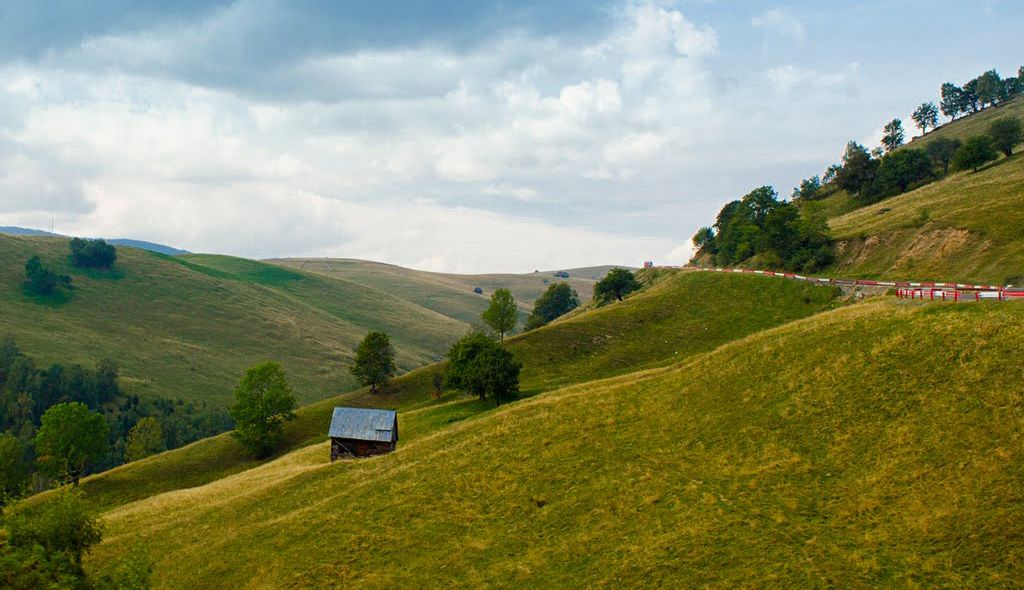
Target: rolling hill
[(682, 315), (888, 452), (187, 326), (449, 294)]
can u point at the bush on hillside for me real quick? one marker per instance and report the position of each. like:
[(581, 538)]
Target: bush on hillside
[(70, 439), (42, 281), (857, 170), (1006, 133), (941, 151), (92, 253), (974, 153)]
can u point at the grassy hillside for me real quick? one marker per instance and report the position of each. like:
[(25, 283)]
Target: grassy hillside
[(188, 326), (449, 294), (684, 314), (968, 226), (876, 445)]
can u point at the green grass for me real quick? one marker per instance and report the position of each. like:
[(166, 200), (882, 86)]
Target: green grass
[(188, 327), (877, 445), (966, 227), (684, 314)]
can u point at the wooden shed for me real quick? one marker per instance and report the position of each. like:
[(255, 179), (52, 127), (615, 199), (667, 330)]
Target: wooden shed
[(362, 432)]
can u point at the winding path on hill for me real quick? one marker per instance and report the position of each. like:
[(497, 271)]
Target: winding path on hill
[(924, 290)]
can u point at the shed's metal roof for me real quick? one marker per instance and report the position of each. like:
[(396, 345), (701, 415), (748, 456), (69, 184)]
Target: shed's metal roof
[(364, 424)]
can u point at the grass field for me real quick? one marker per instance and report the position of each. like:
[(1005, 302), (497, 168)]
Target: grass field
[(879, 444), (684, 314), (189, 326)]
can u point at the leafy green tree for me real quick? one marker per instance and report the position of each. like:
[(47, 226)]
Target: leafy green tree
[(263, 403), (858, 169), (479, 365), (941, 150), (61, 527), (974, 153), (808, 189), (704, 240), (558, 300), (375, 360), (618, 283), (92, 253), (892, 136), (897, 172), (502, 314), (925, 116), (989, 87), (969, 97), (951, 100), (1006, 133), (70, 438), (14, 467), (144, 439)]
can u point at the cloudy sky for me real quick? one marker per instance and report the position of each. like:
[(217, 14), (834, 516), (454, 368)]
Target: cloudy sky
[(467, 135)]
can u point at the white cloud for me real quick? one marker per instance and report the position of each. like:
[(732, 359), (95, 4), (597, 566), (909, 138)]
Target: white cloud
[(521, 152), (780, 21)]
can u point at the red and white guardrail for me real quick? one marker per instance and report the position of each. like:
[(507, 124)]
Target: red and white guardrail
[(923, 290)]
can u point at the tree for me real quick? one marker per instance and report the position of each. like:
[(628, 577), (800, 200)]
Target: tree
[(941, 150), (40, 280), (897, 172), (502, 314), (70, 438), (808, 189), (1006, 133), (558, 300), (974, 153), (969, 97), (263, 402), (858, 169), (892, 137), (14, 467), (61, 527), (952, 100), (375, 360), (618, 283), (989, 87), (479, 365), (926, 115), (704, 240), (144, 439), (92, 253)]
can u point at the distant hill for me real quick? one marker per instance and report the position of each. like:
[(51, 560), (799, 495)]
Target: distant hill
[(140, 244)]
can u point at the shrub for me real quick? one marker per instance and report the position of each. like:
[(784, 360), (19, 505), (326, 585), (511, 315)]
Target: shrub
[(974, 153), (1006, 133), (479, 365), (92, 253)]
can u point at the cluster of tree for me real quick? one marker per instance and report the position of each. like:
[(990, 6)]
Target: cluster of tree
[(760, 225), (558, 300), (62, 422), (92, 253), (40, 280), (988, 89), (42, 546)]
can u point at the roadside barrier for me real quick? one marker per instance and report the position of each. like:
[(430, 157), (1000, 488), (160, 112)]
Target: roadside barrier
[(921, 290)]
